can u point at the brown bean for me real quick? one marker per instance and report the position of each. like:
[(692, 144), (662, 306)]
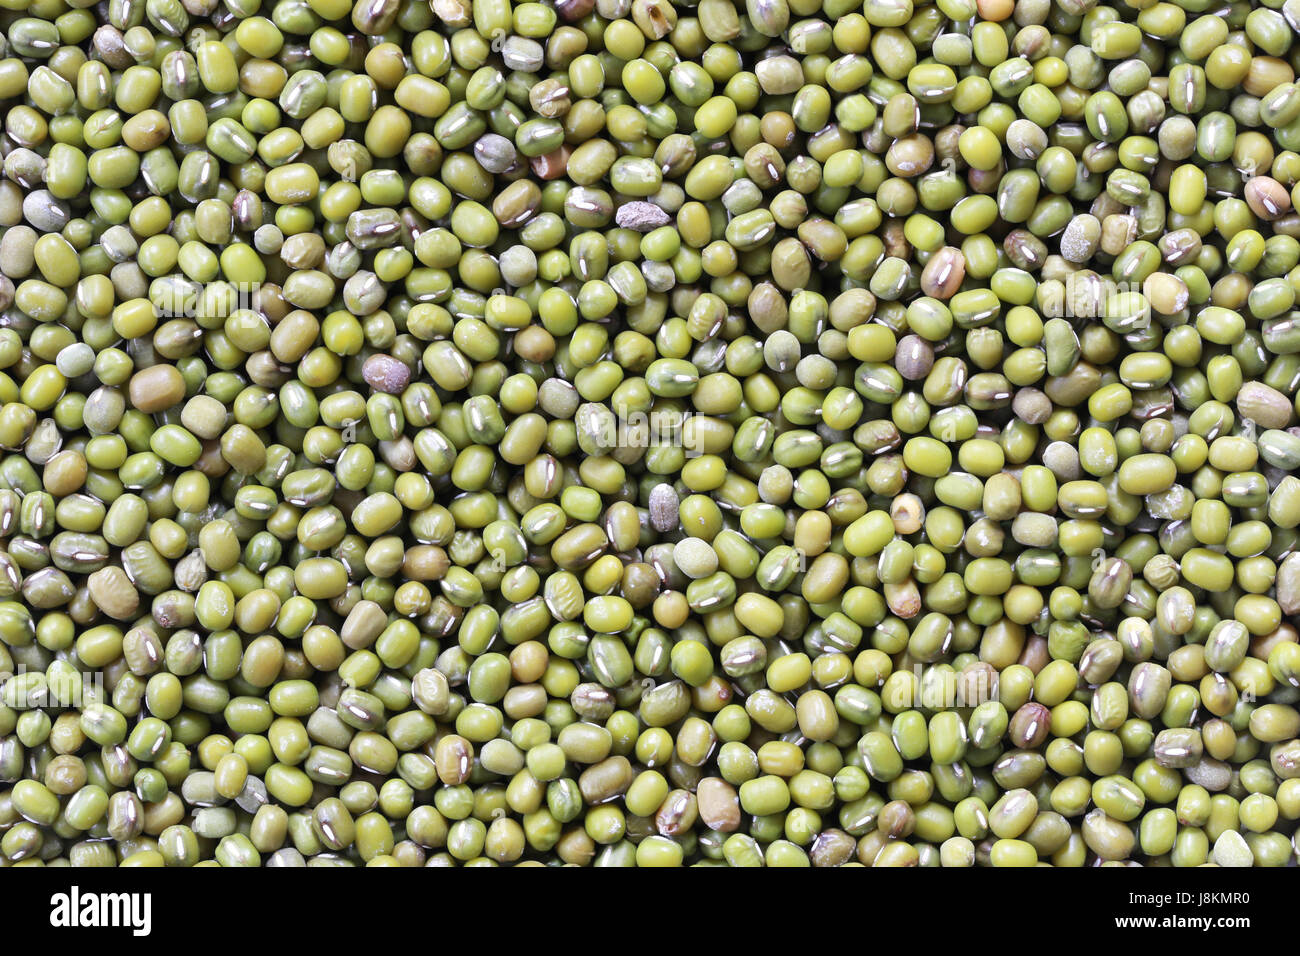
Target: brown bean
[(1030, 726), (719, 805), (384, 373), (1267, 198), (943, 274), (156, 388)]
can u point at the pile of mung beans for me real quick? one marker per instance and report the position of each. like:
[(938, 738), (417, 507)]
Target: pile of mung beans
[(649, 432)]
